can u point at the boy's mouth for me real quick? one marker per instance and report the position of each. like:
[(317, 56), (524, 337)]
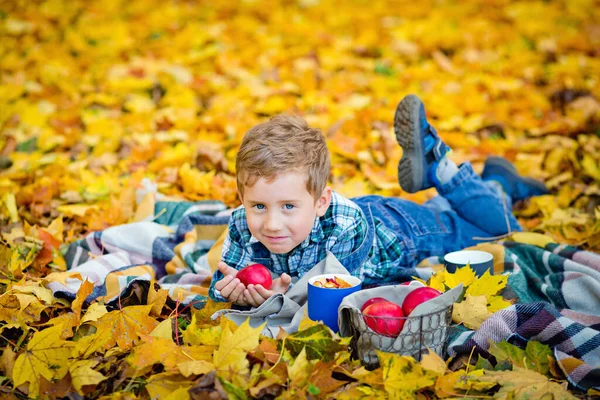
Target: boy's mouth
[(276, 239)]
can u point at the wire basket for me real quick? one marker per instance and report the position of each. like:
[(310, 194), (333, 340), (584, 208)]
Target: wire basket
[(427, 331)]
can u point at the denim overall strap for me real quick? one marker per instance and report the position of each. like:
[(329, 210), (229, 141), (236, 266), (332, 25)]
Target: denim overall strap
[(261, 255), (359, 256)]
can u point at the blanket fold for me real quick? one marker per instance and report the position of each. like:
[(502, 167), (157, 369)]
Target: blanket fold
[(285, 311)]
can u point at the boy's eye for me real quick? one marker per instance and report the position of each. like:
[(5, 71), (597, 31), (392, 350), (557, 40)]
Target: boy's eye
[(289, 206), (259, 206)]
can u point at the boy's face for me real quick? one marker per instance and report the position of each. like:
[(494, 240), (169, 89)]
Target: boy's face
[(281, 213)]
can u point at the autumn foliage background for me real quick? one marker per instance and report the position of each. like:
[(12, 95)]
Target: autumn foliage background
[(97, 95)]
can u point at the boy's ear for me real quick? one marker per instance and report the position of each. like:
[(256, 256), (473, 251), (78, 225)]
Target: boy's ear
[(324, 201)]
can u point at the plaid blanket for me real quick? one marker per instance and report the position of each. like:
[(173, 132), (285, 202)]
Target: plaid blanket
[(558, 291), (178, 245), (179, 249)]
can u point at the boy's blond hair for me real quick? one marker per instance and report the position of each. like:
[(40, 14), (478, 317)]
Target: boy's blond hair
[(282, 144)]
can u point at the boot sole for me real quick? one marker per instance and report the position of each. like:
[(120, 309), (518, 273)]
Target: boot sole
[(408, 134)]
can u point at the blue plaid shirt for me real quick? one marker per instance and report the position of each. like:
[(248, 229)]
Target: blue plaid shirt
[(341, 231)]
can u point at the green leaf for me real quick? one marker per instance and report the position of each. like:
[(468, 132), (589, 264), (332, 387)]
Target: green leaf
[(28, 146), (233, 391), (536, 356), (483, 363), (318, 342), (312, 389)]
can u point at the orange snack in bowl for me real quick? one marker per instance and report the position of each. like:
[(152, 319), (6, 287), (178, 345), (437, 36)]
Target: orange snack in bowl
[(332, 283)]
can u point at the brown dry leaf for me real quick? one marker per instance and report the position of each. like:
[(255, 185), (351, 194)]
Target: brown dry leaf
[(322, 378)]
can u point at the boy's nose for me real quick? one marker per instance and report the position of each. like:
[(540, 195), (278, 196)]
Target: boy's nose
[(273, 223)]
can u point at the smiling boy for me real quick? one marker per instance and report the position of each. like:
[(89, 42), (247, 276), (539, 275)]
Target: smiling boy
[(290, 218)]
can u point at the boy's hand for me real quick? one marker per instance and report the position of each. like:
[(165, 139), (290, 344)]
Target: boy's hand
[(255, 295), (230, 287)]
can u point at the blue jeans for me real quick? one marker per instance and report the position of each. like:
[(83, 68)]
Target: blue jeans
[(467, 212)]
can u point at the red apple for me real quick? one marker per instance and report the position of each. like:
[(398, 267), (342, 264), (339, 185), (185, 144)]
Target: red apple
[(384, 317), (256, 274), (416, 297), (371, 301)]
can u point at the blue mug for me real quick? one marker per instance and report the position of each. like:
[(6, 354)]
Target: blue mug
[(323, 302), (480, 261)]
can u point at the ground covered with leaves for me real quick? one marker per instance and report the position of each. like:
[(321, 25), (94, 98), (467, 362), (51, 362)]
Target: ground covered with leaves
[(97, 95)]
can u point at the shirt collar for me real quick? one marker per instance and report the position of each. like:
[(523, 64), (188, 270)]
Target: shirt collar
[(316, 234)]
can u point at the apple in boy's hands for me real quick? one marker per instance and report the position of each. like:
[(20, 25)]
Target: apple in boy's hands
[(416, 297), (255, 274), (371, 301), (384, 317)]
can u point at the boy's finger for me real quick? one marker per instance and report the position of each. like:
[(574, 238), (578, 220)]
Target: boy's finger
[(282, 284), (264, 293), (224, 268), (249, 299), (254, 293), (229, 288), (223, 282), (286, 279), (238, 291)]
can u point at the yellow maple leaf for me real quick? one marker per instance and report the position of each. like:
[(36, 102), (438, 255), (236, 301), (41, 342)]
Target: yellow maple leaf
[(40, 292), (487, 285), (83, 374), (231, 353), (521, 383), (157, 350), (83, 292), (300, 370), (164, 329), (437, 281), (451, 385), (126, 325), (94, 312), (46, 355), (202, 336), (195, 367), (464, 275), (403, 375), (471, 312), (497, 303), (306, 322), (165, 385), (96, 342), (8, 207), (433, 362)]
